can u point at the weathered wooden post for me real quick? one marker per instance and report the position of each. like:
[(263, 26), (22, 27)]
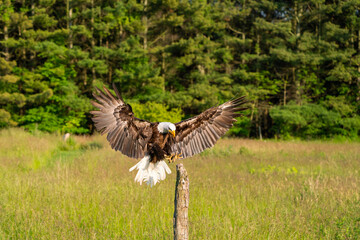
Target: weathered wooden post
[(181, 226)]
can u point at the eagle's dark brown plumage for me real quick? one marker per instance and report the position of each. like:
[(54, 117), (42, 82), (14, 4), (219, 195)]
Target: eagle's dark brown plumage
[(137, 138), (202, 131)]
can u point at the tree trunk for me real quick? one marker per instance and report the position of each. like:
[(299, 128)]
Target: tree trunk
[(251, 116), (93, 73), (32, 8), (145, 23), (6, 37), (163, 65), (84, 75), (32, 53), (319, 24), (285, 83), (181, 226), (257, 118), (297, 86), (110, 74), (296, 31), (243, 35), (358, 79), (69, 23), (6, 30), (266, 115)]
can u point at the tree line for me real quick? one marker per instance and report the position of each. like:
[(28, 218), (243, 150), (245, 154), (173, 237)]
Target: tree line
[(297, 61)]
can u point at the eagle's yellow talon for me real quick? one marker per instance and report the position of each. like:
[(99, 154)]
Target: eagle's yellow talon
[(169, 158), (173, 157)]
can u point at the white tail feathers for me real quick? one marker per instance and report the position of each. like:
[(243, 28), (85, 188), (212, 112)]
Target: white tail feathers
[(149, 172)]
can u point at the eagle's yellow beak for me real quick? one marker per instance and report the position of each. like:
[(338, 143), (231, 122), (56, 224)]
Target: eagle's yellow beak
[(172, 132)]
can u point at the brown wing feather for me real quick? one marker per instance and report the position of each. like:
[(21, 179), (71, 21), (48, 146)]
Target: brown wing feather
[(196, 134), (125, 133)]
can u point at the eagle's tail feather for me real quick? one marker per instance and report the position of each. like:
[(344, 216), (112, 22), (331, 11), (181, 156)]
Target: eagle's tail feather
[(149, 172)]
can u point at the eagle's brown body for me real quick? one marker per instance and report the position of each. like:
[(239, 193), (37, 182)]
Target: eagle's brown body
[(159, 144), (137, 138)]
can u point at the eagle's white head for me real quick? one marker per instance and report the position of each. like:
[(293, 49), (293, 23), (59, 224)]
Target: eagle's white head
[(167, 127)]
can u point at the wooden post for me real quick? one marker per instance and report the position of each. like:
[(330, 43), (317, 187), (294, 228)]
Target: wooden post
[(181, 226)]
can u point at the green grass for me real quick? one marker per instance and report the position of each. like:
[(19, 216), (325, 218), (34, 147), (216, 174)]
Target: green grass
[(240, 189)]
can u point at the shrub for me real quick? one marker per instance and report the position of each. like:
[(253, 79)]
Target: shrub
[(312, 121), (157, 112)]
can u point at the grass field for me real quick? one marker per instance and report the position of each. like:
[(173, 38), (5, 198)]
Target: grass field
[(240, 189)]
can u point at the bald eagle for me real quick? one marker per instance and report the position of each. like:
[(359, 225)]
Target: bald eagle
[(156, 142)]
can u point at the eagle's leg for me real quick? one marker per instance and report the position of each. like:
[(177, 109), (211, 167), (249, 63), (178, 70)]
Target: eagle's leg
[(173, 157)]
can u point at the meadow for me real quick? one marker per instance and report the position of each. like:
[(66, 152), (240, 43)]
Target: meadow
[(240, 189)]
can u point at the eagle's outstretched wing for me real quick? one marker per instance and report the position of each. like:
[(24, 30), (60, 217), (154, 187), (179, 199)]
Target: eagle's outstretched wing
[(126, 133), (196, 134)]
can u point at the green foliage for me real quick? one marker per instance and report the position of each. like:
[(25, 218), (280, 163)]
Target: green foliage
[(241, 127), (5, 119), (157, 112), (188, 55), (311, 121), (339, 104), (15, 98), (65, 110), (41, 118)]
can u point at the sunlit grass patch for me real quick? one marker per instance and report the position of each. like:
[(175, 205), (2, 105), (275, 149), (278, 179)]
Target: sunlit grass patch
[(240, 189)]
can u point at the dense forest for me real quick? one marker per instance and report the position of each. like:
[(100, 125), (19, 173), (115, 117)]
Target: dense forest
[(298, 62)]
